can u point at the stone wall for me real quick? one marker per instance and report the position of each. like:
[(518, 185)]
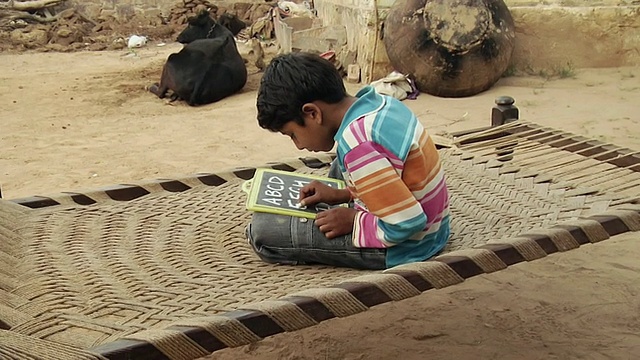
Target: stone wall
[(359, 18), (550, 34), (551, 37)]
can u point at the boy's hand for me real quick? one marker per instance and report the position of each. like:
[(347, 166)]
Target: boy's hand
[(336, 222), (317, 192)]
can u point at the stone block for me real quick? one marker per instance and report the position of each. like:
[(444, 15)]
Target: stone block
[(91, 10), (125, 12), (320, 39), (33, 38), (353, 73)]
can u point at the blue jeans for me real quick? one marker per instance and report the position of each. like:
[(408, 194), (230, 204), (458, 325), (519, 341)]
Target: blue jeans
[(297, 241)]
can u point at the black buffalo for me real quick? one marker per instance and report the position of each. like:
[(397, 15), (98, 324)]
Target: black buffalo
[(207, 69), (232, 23), (204, 27)]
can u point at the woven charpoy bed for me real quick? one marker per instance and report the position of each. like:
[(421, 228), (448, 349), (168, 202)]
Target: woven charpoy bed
[(162, 270)]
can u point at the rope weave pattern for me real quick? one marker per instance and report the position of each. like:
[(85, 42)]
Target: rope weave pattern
[(75, 277), (438, 274), (173, 344), (230, 331), (593, 229), (18, 346), (488, 261), (394, 286), (339, 301), (287, 315), (529, 249)]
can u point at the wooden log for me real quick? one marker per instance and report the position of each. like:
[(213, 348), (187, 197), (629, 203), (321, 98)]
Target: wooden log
[(21, 15), (29, 5)]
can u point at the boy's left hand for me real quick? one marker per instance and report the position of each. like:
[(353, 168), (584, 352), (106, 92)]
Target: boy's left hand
[(336, 222)]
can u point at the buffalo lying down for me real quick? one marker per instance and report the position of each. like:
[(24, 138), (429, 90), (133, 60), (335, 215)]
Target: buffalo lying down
[(208, 68)]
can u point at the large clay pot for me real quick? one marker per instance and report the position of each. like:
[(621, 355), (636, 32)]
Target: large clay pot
[(454, 48)]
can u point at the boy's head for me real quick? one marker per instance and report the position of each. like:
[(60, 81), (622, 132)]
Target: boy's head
[(292, 81)]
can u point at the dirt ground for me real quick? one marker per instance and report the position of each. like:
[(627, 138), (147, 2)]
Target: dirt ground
[(82, 120)]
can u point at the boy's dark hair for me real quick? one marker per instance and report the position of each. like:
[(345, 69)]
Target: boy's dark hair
[(292, 80)]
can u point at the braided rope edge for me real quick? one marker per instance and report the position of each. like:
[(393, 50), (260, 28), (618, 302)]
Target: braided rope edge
[(361, 293), (128, 192)]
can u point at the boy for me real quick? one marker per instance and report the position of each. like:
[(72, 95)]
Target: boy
[(396, 188)]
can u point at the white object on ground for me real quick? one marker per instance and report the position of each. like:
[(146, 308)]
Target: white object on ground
[(294, 9), (395, 84), (136, 41)]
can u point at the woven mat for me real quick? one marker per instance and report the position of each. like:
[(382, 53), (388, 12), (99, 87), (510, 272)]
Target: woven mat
[(77, 277)]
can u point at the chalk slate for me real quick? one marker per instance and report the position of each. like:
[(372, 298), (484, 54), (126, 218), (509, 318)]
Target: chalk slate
[(276, 191)]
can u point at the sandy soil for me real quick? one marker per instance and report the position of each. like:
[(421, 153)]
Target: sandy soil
[(74, 121)]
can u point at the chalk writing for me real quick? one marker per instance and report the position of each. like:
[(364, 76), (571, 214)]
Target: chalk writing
[(277, 193), (280, 191)]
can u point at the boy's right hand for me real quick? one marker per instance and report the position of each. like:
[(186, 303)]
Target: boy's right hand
[(318, 192)]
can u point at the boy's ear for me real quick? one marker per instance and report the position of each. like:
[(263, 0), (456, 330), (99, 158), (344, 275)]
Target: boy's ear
[(313, 112)]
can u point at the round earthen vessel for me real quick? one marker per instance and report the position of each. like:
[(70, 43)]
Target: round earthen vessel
[(454, 48)]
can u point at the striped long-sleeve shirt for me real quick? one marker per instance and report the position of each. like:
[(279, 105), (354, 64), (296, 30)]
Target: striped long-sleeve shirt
[(393, 170)]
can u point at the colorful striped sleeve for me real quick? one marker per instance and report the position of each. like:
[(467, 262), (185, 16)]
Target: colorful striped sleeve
[(393, 213)]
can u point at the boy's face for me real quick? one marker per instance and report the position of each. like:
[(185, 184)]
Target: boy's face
[(312, 136)]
